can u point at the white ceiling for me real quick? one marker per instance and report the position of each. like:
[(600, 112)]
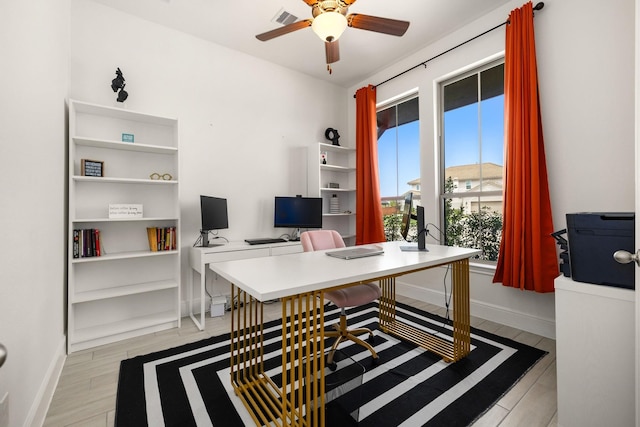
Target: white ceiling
[(234, 24)]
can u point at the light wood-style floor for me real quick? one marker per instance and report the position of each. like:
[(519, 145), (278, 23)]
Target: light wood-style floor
[(86, 393)]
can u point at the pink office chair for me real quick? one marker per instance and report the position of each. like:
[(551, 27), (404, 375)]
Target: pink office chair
[(351, 296)]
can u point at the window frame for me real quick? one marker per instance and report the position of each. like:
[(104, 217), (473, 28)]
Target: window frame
[(395, 102), (476, 69)]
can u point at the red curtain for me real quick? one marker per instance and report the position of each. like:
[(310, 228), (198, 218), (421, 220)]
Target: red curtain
[(527, 258), (369, 224)]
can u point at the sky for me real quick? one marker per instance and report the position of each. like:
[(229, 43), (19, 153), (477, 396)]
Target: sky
[(401, 164)]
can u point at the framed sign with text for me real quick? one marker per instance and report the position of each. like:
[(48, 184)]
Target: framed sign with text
[(91, 167)]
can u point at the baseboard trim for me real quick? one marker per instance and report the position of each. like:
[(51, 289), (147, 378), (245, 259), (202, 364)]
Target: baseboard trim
[(483, 310), (40, 407)]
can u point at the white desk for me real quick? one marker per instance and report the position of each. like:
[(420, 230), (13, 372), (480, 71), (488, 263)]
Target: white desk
[(200, 258), (299, 281)]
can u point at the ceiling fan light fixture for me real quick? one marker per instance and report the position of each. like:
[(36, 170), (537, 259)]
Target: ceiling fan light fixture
[(329, 26)]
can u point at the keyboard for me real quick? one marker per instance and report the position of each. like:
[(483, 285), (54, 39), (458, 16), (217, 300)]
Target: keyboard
[(264, 241)]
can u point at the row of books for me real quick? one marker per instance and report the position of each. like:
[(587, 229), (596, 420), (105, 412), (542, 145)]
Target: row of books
[(162, 238), (86, 243)]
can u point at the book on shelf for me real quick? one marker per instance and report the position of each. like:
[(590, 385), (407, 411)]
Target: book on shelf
[(87, 243), (162, 238)]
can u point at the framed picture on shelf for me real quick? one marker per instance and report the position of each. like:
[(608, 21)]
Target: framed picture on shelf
[(91, 167)]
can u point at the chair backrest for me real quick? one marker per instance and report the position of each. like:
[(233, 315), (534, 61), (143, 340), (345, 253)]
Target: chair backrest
[(321, 239)]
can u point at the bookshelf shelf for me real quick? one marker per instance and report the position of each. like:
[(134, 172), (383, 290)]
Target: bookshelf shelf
[(143, 219), (335, 168), (129, 146), (128, 290), (337, 190), (119, 291), (123, 255), (107, 180), (337, 214), (101, 334)]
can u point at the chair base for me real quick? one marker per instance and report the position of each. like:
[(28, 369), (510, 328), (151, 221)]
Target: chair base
[(342, 334)]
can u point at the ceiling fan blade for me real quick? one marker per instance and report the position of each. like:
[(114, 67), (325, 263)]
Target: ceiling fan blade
[(284, 30), (332, 51), (392, 27)]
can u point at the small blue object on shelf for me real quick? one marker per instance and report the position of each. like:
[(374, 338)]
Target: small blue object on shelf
[(127, 137)]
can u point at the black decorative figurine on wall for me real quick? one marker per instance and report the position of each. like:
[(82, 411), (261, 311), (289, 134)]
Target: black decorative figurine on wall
[(119, 84), (332, 135)]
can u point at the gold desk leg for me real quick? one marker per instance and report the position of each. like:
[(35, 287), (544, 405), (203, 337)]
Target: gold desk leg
[(387, 303), (256, 390), (450, 351), (303, 360), (461, 310), (299, 400)]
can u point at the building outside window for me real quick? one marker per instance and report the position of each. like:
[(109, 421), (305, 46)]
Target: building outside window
[(471, 149)]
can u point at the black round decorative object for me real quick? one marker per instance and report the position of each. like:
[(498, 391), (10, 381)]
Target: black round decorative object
[(332, 135), (119, 84)]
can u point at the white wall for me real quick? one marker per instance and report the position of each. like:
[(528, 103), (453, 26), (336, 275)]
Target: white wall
[(232, 145), (585, 53), (34, 47), (244, 123)]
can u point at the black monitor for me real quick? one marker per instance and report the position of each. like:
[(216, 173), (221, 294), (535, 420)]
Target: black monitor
[(213, 211), (297, 212), (407, 216)]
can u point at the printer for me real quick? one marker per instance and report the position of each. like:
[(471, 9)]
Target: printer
[(593, 239)]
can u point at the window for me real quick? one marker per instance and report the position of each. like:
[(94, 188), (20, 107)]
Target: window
[(472, 120), (398, 161)]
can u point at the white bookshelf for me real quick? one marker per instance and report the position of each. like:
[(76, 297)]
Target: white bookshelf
[(339, 169), (128, 290)]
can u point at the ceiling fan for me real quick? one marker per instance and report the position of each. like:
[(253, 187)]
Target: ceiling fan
[(329, 21)]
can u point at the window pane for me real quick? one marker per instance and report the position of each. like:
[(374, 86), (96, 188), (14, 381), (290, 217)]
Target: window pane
[(492, 105), (472, 154), (387, 164), (408, 158), (398, 161), (461, 137)]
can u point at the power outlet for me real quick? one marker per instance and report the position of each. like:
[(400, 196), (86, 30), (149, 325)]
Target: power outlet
[(4, 410)]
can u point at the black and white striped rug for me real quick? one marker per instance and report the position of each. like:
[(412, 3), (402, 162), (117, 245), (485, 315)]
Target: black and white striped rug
[(190, 385)]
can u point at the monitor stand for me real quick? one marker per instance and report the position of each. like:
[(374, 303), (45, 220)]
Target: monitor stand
[(295, 236), (204, 240)]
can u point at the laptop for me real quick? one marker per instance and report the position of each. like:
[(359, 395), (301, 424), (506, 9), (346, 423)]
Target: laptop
[(358, 252)]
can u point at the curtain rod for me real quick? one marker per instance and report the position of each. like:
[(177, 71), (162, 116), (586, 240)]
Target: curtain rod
[(538, 6)]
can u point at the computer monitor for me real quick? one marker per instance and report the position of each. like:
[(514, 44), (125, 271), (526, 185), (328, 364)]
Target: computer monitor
[(407, 216), (213, 213), (297, 212)]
